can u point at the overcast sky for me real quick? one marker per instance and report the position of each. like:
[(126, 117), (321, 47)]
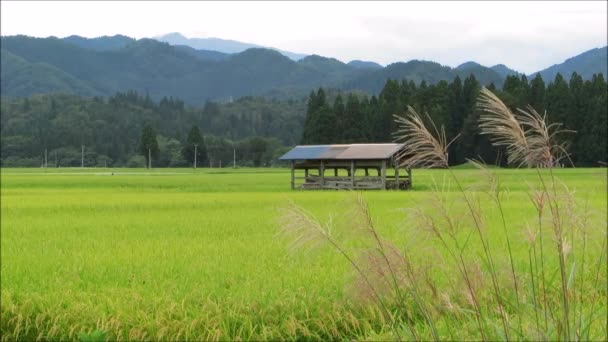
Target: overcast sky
[(526, 36)]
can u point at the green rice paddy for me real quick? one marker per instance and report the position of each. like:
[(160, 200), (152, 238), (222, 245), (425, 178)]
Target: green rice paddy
[(179, 254)]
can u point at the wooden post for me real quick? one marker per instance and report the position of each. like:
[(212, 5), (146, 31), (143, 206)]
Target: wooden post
[(397, 176), (335, 172), (306, 172), (409, 176), (383, 175), (293, 175), (366, 171), (352, 174), (322, 173)]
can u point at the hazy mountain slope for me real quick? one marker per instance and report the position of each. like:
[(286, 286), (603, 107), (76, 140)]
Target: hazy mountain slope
[(104, 43), (19, 77), (160, 69), (364, 65), (220, 45), (39, 65), (206, 55), (504, 71), (415, 70), (586, 64)]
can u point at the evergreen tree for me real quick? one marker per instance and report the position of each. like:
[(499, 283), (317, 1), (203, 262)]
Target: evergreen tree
[(471, 144), (557, 98), (577, 110), (592, 144), (315, 103), (148, 144), (353, 131), (389, 106), (341, 123), (195, 138), (536, 94), (322, 126)]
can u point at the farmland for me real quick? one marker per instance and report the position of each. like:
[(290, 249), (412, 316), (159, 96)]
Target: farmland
[(182, 254)]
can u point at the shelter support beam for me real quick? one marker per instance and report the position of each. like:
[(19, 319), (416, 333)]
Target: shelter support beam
[(352, 173), (409, 176), (293, 175), (383, 175), (322, 173), (397, 176)]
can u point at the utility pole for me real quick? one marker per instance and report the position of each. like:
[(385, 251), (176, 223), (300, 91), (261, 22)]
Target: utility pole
[(195, 150), (220, 163), (56, 165), (46, 164), (149, 158), (82, 157), (234, 158)]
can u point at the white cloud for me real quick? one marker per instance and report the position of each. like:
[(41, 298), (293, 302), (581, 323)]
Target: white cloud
[(526, 36)]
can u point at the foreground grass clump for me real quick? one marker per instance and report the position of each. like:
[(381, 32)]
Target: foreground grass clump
[(183, 255), (499, 293)]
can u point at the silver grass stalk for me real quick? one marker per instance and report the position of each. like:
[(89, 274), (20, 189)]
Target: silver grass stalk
[(527, 137), (422, 148)]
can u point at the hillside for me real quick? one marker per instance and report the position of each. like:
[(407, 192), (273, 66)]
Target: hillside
[(220, 45), (586, 64), (106, 65)]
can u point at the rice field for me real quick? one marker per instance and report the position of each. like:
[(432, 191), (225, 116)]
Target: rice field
[(182, 254)]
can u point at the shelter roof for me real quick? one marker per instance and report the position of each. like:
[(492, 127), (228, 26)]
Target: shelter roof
[(342, 152)]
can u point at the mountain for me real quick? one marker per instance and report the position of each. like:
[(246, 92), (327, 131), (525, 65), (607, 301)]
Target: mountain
[(364, 65), (586, 64), (468, 65), (205, 55), (22, 78), (483, 74), (418, 71), (220, 45), (504, 71), (106, 65), (159, 69), (103, 43)]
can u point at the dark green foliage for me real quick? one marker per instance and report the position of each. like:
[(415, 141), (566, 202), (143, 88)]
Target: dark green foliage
[(579, 106), (536, 94), (111, 128), (148, 145)]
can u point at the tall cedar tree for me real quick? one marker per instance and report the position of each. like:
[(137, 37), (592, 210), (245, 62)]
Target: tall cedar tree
[(195, 138), (148, 144)]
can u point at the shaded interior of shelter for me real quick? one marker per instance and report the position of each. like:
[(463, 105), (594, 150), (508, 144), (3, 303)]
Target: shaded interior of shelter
[(353, 166)]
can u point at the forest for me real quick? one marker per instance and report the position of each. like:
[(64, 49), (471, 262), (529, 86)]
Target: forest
[(580, 106), (256, 131)]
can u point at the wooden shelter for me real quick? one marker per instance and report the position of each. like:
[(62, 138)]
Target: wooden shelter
[(354, 161)]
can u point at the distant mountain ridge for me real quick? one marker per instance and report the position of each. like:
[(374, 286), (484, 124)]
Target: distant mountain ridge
[(220, 45), (585, 64), (105, 65)]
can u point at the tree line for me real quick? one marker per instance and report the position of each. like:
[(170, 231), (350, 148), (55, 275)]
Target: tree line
[(256, 131), (110, 129), (581, 106)]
